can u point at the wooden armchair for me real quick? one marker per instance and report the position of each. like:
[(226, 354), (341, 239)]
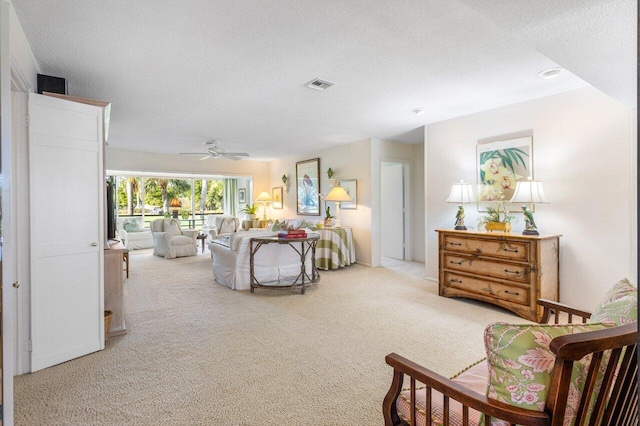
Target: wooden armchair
[(616, 402)]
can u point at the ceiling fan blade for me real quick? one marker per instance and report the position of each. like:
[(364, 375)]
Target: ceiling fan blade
[(232, 157), (194, 153), (237, 154), (205, 157)]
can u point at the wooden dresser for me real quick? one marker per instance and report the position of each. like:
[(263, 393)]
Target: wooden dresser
[(507, 270)]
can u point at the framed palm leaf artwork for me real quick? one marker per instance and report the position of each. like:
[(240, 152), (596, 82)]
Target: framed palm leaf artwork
[(501, 165)]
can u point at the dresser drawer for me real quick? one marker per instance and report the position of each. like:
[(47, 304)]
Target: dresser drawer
[(515, 250), (499, 269), (487, 288)]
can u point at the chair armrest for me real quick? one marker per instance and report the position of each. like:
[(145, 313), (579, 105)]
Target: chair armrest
[(453, 390), (213, 233), (557, 308), (191, 233)]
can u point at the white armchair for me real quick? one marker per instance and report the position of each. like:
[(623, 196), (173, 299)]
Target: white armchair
[(170, 241), (221, 225)]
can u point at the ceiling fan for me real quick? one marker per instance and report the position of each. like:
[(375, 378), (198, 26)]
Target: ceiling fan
[(214, 151)]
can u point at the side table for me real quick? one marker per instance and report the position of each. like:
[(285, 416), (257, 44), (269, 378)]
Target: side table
[(203, 238), (303, 279)]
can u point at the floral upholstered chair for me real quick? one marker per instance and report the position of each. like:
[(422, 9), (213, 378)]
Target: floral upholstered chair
[(170, 241), (547, 374)]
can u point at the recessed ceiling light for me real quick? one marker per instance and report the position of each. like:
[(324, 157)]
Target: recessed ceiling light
[(550, 73), (418, 111)]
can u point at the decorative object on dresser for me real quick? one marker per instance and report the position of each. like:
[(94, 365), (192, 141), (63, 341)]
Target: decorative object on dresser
[(493, 222), (308, 187), (264, 198), (529, 192), (176, 204), (461, 193), (337, 194), (511, 271)]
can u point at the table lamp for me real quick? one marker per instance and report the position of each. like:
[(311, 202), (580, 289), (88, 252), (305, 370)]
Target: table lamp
[(530, 192), (176, 204), (461, 193), (264, 197), (337, 194)]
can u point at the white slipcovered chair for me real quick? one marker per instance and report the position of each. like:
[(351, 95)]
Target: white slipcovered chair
[(170, 241), (220, 225)]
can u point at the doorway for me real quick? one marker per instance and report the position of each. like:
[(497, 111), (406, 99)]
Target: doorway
[(393, 211)]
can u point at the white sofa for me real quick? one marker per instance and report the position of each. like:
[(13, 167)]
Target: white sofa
[(133, 240), (273, 261), (171, 241)]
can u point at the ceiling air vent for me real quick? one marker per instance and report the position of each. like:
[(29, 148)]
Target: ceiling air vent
[(318, 84)]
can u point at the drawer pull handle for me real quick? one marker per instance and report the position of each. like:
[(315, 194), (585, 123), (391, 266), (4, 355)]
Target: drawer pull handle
[(455, 280), (512, 251), (455, 244), (455, 263), (515, 293), (512, 272)]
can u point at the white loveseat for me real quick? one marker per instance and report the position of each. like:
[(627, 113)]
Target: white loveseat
[(132, 239), (171, 241), (273, 261)]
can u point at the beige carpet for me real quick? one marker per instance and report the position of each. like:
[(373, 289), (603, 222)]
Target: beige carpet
[(197, 353)]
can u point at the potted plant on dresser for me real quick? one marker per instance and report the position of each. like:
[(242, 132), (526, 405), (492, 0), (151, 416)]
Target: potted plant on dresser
[(497, 219)]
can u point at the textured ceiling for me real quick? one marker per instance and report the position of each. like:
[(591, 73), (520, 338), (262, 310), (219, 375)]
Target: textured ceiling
[(181, 73)]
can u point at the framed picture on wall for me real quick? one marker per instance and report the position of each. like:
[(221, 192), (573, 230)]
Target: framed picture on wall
[(242, 196), (501, 165), (349, 185), (308, 187), (276, 196)]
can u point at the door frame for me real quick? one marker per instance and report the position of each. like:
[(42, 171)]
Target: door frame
[(9, 263)]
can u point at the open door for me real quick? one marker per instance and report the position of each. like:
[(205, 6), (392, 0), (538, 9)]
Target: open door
[(67, 234)]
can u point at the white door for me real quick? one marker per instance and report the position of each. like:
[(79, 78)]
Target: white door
[(392, 217), (66, 194)]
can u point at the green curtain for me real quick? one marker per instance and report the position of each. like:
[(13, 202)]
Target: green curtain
[(230, 196)]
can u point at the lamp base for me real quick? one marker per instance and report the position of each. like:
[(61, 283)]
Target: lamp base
[(460, 228), (530, 232), (175, 214)]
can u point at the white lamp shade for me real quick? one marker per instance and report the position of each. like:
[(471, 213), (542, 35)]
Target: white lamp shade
[(337, 193), (529, 191), (264, 196), (461, 193)]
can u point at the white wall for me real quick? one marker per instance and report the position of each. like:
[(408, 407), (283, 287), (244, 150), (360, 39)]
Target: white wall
[(419, 219), (167, 163), (349, 161), (21, 53), (583, 149)]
